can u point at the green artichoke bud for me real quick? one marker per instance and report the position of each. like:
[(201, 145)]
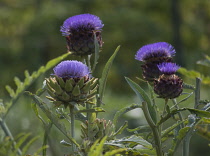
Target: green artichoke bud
[(71, 91), (101, 129), (71, 84), (168, 85)]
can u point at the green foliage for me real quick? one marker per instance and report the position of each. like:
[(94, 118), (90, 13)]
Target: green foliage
[(29, 79), (53, 118), (205, 62), (22, 140), (34, 36), (194, 74), (119, 113), (97, 149), (143, 96), (105, 72)]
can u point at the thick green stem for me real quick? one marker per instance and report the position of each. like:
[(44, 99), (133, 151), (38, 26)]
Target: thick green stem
[(155, 130), (197, 92), (9, 134), (88, 117), (185, 142), (72, 124), (179, 113), (45, 139)]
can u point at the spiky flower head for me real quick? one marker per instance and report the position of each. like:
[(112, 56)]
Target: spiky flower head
[(168, 85), (153, 54), (168, 68), (71, 69), (155, 50), (71, 84), (96, 130), (79, 31)]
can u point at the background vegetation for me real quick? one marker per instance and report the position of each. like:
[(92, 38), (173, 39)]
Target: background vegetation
[(30, 36)]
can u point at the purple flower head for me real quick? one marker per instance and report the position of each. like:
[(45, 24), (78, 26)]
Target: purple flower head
[(168, 68), (82, 22), (71, 69), (154, 50)]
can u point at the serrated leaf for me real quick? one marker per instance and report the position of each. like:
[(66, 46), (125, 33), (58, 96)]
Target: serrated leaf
[(200, 113), (169, 129), (105, 72), (18, 83), (29, 80), (142, 95), (133, 140), (97, 149), (10, 91), (140, 129), (205, 120), (182, 133), (29, 143), (53, 118), (189, 73), (176, 141), (205, 62), (21, 140), (116, 151), (188, 86), (120, 130), (194, 74), (96, 109), (203, 131), (122, 111), (33, 105)]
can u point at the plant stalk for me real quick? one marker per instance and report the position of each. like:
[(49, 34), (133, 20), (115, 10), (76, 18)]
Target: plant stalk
[(72, 125), (179, 113), (45, 139), (155, 130), (185, 147), (88, 118), (9, 134), (197, 92)]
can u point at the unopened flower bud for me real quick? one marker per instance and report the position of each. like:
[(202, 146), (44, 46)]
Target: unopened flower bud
[(79, 31), (71, 83), (153, 54), (168, 85)]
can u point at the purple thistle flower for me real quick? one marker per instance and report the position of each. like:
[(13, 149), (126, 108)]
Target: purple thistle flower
[(168, 68), (155, 50), (71, 69), (83, 22), (79, 31)]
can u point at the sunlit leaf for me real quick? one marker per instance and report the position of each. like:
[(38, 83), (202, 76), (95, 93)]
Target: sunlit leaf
[(96, 52), (29, 79), (131, 141), (142, 95), (28, 144), (169, 129), (105, 72), (205, 62), (194, 74), (53, 118), (96, 109), (140, 129)]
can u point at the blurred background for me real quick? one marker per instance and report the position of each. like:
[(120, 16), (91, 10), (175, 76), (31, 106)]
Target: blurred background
[(30, 36)]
